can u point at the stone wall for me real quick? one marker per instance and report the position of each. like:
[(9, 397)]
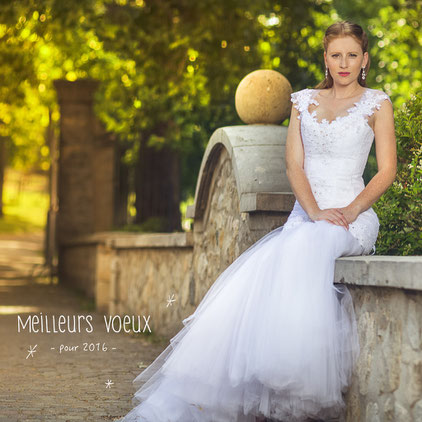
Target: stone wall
[(228, 217), (387, 297), (225, 230), (148, 270), (241, 195)]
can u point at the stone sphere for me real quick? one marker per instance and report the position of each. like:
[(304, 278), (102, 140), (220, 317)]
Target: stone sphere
[(263, 96)]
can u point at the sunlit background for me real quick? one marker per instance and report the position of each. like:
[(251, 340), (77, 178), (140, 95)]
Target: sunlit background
[(168, 72)]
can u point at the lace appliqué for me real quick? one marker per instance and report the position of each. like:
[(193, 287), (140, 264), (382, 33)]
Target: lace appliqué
[(295, 221), (364, 106), (366, 234), (297, 217), (372, 102), (301, 100)]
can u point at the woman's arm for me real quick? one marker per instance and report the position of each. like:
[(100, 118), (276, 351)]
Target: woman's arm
[(299, 183), (386, 154)]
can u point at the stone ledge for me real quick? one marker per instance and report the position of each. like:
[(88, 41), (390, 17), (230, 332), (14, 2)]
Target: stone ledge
[(403, 272), (259, 201), (122, 240), (368, 270), (266, 201)]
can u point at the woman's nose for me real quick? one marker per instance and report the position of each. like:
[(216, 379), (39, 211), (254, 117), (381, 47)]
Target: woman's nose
[(343, 62)]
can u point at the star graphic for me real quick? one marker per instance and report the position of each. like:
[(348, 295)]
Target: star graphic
[(109, 383), (31, 351), (170, 300)]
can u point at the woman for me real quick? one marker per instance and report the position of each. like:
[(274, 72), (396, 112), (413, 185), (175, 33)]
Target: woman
[(273, 337)]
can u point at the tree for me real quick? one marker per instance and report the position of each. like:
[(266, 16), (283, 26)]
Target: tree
[(169, 69)]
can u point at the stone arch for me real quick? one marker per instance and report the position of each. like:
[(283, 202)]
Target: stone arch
[(242, 193)]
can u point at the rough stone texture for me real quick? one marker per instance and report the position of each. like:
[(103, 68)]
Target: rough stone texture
[(104, 177), (257, 158), (134, 273), (388, 379), (263, 96), (224, 229), (143, 280), (86, 171), (226, 232), (382, 271), (241, 164), (103, 297), (78, 267), (76, 173)]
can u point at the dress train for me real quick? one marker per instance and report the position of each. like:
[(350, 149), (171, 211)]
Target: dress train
[(272, 337)]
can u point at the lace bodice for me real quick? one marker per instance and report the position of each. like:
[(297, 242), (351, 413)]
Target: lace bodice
[(335, 155)]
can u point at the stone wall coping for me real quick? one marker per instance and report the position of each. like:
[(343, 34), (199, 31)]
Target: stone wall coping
[(266, 201), (259, 201), (404, 272), (126, 240)]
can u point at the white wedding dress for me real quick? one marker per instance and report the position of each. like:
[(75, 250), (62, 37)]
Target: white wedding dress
[(274, 336)]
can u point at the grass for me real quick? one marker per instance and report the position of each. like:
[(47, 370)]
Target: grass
[(25, 202)]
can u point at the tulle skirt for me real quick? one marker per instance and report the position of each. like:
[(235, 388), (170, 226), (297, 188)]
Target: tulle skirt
[(273, 337)]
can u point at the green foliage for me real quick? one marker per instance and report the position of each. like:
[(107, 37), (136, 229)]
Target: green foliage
[(400, 208), (169, 70), (23, 192)]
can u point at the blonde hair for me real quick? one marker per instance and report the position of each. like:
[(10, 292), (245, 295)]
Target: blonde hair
[(343, 29)]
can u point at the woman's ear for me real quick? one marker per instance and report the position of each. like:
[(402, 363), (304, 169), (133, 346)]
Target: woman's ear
[(365, 58)]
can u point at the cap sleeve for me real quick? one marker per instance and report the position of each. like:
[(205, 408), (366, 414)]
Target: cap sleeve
[(381, 97), (374, 102), (299, 100)]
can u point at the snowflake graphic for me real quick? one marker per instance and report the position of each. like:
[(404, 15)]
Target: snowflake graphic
[(31, 351), (170, 300)]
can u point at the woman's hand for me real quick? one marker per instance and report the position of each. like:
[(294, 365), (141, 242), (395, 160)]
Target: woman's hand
[(340, 216), (334, 215), (351, 213)]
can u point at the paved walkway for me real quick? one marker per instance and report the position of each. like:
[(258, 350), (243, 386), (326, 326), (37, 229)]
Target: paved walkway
[(54, 386)]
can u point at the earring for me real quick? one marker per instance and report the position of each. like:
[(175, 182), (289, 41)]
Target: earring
[(326, 73), (363, 73)]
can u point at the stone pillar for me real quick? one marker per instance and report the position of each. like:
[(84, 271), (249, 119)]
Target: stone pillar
[(85, 174), (103, 162)]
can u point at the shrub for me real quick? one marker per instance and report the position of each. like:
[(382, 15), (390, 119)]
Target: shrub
[(399, 208)]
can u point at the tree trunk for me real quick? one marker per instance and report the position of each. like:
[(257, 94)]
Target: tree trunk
[(157, 187)]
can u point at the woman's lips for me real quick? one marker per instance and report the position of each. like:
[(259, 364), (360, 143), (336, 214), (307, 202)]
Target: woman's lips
[(344, 73)]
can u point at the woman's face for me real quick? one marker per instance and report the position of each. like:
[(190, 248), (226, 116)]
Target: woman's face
[(345, 54)]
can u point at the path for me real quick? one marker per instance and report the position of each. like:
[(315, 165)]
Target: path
[(53, 386)]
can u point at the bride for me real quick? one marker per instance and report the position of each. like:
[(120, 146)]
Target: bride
[(273, 338)]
